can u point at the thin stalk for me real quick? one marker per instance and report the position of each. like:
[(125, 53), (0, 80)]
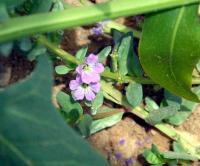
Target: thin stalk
[(70, 58), (59, 52), (46, 22)]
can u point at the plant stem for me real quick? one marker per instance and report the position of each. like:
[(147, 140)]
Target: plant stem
[(46, 22), (59, 52), (70, 58)]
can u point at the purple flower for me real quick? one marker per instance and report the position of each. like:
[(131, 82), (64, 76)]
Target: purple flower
[(122, 141), (81, 90), (90, 70), (129, 161), (118, 155), (97, 30)]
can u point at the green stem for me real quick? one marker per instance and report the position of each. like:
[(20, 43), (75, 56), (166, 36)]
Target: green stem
[(122, 28), (59, 52), (70, 58), (46, 22)]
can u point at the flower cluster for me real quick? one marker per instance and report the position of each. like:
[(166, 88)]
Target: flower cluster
[(86, 85)]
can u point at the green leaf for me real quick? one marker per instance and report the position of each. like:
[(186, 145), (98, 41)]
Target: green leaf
[(117, 35), (6, 49), (67, 103), (150, 104), (169, 48), (124, 53), (12, 3), (134, 94), (109, 121), (32, 132), (179, 156), (25, 44), (153, 156), (84, 125), (186, 108), (97, 102), (157, 116), (103, 54), (36, 51), (39, 6), (81, 54), (62, 69)]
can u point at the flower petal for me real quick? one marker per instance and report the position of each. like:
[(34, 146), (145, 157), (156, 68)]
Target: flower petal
[(79, 69), (95, 87), (89, 94), (78, 94), (74, 84), (99, 68), (92, 58)]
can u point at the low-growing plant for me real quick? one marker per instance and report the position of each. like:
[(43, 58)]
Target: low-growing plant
[(34, 132)]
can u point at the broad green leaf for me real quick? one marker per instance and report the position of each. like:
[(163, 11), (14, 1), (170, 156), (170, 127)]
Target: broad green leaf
[(97, 102), (84, 125), (134, 94), (81, 53), (32, 132), (103, 54), (62, 69), (109, 121), (157, 116), (70, 109), (170, 48)]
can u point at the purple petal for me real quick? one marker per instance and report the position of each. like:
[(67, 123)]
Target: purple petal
[(74, 84), (90, 77), (92, 58), (79, 69), (129, 161), (99, 68), (95, 87), (97, 31), (122, 141), (78, 94), (118, 155), (89, 94)]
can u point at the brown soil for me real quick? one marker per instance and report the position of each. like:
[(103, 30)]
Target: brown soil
[(124, 143)]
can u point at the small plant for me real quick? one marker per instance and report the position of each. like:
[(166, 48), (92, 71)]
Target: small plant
[(164, 55)]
